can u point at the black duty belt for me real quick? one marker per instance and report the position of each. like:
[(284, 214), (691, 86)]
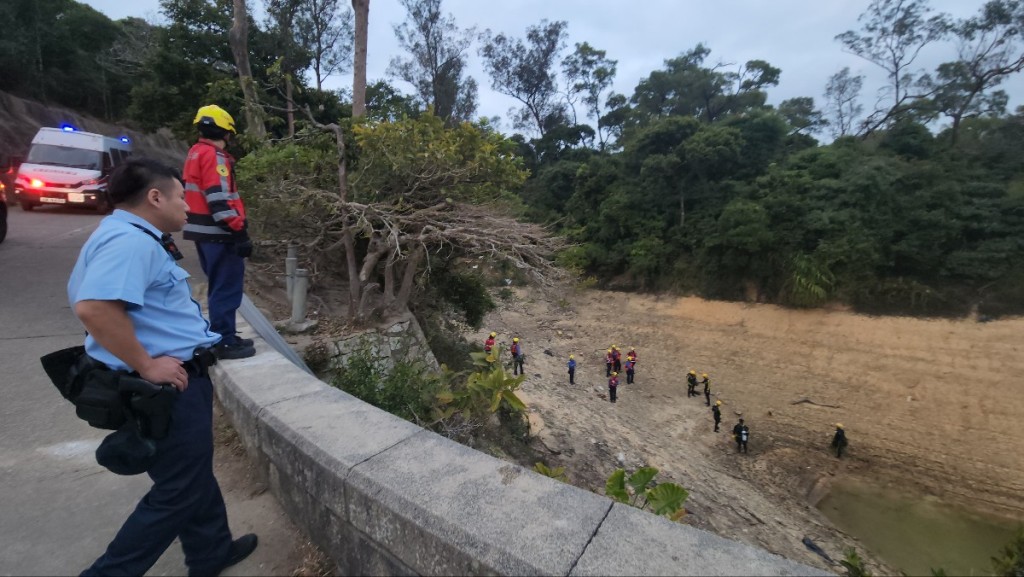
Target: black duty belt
[(202, 359)]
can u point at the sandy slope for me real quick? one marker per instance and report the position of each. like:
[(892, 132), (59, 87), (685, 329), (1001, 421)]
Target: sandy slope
[(928, 404)]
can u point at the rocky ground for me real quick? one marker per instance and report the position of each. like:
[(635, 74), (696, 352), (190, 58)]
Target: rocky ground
[(925, 404)]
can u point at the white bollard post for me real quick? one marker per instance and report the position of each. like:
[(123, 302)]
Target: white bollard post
[(291, 262)]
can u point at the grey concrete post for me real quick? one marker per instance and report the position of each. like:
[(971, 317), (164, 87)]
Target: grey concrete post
[(291, 262), (299, 296)]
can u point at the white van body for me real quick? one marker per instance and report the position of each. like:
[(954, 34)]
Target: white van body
[(69, 167)]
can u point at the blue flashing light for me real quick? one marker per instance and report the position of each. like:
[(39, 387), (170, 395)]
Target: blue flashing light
[(125, 139), (67, 128)]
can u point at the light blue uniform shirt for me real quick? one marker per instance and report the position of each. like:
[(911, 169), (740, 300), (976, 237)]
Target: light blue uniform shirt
[(121, 262)]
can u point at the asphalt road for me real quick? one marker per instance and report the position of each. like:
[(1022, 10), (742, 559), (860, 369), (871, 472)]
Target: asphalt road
[(58, 508)]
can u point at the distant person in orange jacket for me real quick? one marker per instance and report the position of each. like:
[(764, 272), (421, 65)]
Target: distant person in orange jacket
[(489, 343), (632, 353), (616, 359), (630, 370), (609, 361)]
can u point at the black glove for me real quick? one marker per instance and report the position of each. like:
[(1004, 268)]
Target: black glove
[(243, 248)]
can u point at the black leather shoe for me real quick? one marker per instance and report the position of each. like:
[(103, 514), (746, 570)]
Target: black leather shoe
[(240, 549), (244, 342), (234, 351)]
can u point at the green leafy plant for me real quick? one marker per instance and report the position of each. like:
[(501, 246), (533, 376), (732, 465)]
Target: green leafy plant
[(854, 564), (557, 473), (1010, 561), (663, 498)]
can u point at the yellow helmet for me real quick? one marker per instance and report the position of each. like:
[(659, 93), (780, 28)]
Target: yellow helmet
[(718, 403), (614, 347), (494, 334), (571, 357), (609, 350), (704, 375), (515, 339), (614, 374), (694, 373), (839, 425), (211, 114)]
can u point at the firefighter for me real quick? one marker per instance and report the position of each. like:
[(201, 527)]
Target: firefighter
[(613, 385), (632, 353), (489, 343), (616, 359), (717, 414), (707, 388), (608, 362), (691, 384), (741, 433), (839, 440), (630, 369), (518, 356), (572, 370)]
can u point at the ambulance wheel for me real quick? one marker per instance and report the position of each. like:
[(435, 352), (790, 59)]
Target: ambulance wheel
[(27, 206)]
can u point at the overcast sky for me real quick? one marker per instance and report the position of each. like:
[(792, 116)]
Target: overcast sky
[(796, 36)]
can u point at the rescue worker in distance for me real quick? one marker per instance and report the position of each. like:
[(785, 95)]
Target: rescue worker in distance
[(217, 224)]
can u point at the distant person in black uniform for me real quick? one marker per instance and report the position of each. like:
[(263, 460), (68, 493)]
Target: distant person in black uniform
[(839, 440), (717, 413), (707, 389), (691, 384), (741, 433)]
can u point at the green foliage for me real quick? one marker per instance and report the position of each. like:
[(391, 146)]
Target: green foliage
[(1010, 561), (810, 283), (404, 389), (664, 499), (557, 473), (465, 292), (418, 160), (853, 564)]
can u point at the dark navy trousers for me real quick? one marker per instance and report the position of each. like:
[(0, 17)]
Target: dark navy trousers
[(225, 272), (185, 501)]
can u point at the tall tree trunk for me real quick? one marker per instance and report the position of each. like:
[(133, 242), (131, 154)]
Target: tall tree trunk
[(362, 12), (238, 37), (291, 105), (347, 238)]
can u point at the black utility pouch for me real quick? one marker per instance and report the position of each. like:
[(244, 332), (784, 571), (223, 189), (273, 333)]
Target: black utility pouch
[(151, 405), (100, 402), (61, 367)]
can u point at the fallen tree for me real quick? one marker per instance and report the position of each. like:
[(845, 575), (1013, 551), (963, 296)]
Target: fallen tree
[(417, 192)]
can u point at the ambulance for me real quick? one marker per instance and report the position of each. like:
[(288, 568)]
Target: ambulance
[(66, 166)]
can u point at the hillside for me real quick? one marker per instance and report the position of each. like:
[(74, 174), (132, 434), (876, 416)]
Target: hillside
[(21, 118)]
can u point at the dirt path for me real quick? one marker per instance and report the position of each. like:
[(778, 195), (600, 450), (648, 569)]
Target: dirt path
[(926, 404)]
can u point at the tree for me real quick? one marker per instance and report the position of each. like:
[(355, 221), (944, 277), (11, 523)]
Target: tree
[(436, 62), (282, 19), (841, 93), (801, 115), (239, 39), (892, 36), (420, 191), (362, 11), (990, 48), (589, 74), (325, 31), (525, 71)]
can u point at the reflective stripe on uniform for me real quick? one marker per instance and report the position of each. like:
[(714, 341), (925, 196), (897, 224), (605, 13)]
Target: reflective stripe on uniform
[(205, 230)]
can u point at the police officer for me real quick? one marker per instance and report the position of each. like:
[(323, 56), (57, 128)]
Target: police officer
[(136, 305), (741, 433), (217, 223)]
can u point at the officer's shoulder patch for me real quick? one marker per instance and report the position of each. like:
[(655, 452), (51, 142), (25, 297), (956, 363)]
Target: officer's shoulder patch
[(222, 170)]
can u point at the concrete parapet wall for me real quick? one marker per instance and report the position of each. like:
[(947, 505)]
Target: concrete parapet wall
[(382, 496)]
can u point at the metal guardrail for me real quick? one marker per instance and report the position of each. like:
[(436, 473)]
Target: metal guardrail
[(265, 329)]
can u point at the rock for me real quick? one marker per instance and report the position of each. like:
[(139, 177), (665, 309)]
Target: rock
[(549, 353), (559, 333), (621, 458)]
